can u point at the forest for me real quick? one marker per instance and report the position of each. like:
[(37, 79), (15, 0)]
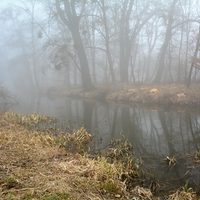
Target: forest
[(99, 42), (100, 99)]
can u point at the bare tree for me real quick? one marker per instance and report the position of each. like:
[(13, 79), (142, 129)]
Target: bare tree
[(70, 18), (195, 60), (128, 33), (152, 33), (18, 43), (165, 44), (107, 39), (124, 41)]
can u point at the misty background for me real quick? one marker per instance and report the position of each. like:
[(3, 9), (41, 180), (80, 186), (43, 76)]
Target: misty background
[(54, 45), (62, 44)]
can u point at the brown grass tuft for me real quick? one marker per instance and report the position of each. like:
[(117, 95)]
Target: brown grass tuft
[(36, 164)]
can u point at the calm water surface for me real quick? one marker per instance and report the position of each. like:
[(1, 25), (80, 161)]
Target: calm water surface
[(154, 134)]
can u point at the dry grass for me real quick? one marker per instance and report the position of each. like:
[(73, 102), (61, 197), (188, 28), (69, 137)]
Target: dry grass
[(170, 95), (183, 195), (158, 95), (36, 164)]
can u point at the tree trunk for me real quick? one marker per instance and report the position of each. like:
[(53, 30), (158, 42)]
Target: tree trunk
[(71, 20), (193, 60), (164, 47), (84, 66), (107, 38), (124, 41)]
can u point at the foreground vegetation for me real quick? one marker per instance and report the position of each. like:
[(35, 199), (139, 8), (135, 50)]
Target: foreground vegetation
[(40, 162)]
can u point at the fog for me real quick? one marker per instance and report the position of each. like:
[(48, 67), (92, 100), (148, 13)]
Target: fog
[(53, 45), (44, 44)]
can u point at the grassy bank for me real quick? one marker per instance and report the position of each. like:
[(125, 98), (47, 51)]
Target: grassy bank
[(168, 96), (38, 163)]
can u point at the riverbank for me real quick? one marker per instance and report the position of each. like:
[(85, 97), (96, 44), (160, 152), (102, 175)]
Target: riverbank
[(155, 96), (38, 163)]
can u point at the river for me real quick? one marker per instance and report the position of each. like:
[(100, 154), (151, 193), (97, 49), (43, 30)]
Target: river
[(154, 134)]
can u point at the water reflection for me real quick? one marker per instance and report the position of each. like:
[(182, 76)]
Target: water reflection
[(154, 134)]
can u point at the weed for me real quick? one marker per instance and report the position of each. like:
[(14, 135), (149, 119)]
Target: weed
[(57, 196), (170, 161), (185, 193), (11, 182), (110, 186), (186, 188), (197, 156)]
